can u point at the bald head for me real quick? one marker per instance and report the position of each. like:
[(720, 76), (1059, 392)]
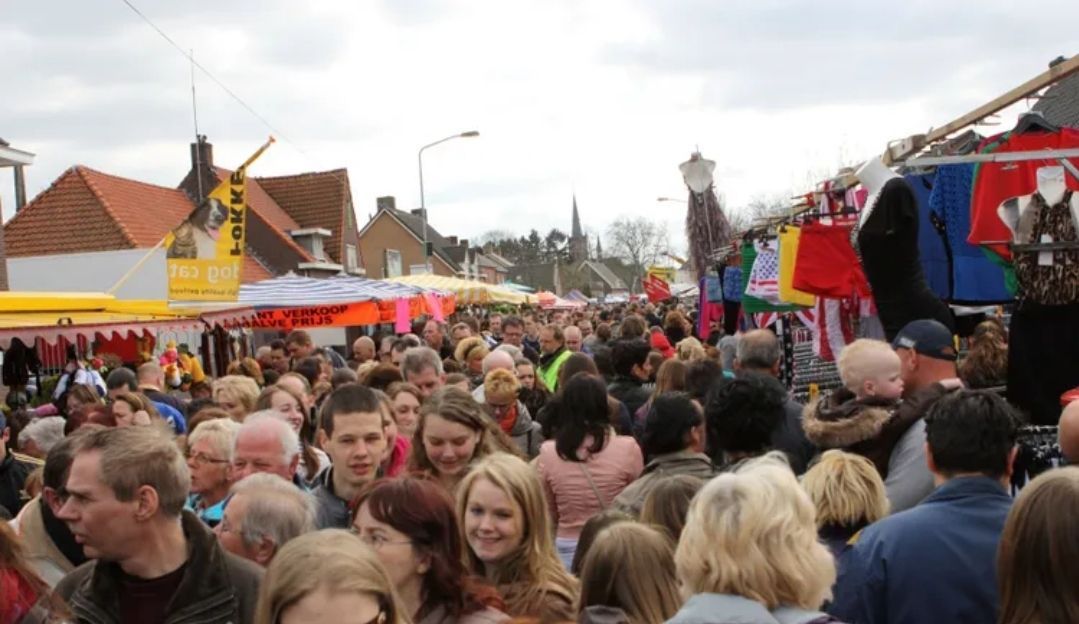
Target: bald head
[(363, 349), (1068, 435), (573, 337), (758, 351), (497, 359)]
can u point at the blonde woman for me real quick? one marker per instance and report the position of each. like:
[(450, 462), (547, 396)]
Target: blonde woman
[(327, 577), (849, 495), (642, 598), (236, 394), (500, 390), (504, 521), (749, 551), (690, 349), (469, 354)]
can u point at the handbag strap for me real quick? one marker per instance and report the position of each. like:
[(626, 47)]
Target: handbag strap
[(591, 482)]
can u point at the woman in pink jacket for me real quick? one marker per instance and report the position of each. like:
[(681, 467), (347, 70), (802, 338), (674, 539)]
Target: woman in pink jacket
[(586, 465)]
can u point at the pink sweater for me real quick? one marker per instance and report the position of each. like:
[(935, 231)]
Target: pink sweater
[(571, 499)]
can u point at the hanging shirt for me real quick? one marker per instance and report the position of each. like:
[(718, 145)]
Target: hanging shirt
[(788, 253), (996, 182), (974, 278), (732, 284), (764, 276), (931, 248), (751, 304)]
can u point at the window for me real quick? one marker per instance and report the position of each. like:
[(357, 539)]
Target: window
[(351, 259), (393, 263)]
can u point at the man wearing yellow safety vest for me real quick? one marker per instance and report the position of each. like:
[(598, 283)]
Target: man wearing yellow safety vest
[(553, 353)]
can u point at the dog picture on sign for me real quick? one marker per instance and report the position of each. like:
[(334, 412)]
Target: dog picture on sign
[(197, 236)]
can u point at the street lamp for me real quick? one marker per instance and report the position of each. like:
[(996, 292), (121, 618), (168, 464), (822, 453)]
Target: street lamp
[(423, 204)]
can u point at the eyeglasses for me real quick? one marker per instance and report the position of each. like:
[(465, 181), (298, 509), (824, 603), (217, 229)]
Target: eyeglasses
[(201, 458), (375, 541)]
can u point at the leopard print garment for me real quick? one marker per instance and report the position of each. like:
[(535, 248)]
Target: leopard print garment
[(1057, 284)]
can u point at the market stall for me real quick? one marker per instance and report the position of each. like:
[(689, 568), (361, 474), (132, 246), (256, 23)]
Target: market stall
[(291, 302), (467, 292)]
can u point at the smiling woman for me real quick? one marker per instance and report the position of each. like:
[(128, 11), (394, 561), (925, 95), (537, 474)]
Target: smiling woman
[(452, 433), (411, 525), (505, 523)]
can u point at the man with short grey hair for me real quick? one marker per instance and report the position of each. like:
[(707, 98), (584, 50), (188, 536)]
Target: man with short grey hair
[(728, 352), (422, 367), (263, 514), (759, 352), (38, 438), (266, 443)]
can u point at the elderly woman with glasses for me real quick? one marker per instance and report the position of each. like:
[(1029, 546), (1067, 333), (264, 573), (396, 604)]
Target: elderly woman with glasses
[(411, 525), (209, 458)]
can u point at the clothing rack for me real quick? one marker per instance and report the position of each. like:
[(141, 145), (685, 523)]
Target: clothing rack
[(933, 161)]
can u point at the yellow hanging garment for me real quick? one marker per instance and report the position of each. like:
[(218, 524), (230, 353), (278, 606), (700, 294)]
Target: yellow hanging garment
[(788, 252)]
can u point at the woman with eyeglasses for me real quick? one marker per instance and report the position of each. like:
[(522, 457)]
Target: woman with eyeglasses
[(411, 525), (209, 458), (328, 577)]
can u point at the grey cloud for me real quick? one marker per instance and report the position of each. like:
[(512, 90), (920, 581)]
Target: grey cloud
[(787, 55)]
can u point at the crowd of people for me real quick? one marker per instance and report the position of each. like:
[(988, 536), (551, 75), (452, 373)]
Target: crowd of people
[(602, 465)]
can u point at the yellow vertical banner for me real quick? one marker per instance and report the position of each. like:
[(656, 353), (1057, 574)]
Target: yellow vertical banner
[(204, 255)]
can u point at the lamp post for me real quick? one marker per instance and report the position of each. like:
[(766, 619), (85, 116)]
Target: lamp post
[(423, 204)]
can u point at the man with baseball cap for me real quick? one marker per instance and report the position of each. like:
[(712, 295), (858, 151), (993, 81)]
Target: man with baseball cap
[(927, 354)]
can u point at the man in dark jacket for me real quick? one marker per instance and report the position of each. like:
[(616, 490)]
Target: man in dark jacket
[(758, 352), (631, 372), (14, 468), (936, 562), (153, 561), (353, 434)]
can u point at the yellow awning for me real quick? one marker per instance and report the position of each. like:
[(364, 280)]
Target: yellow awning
[(52, 315), (467, 291)]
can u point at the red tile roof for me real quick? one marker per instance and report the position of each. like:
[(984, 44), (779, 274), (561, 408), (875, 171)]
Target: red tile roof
[(315, 200), (252, 270), (86, 210)]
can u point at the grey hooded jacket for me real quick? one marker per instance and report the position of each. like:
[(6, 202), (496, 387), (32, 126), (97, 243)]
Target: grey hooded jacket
[(728, 609)]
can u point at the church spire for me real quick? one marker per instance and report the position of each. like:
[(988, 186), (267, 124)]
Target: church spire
[(599, 249), (576, 232)]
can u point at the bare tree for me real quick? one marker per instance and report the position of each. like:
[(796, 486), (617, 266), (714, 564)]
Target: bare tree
[(494, 236), (759, 208), (638, 241)]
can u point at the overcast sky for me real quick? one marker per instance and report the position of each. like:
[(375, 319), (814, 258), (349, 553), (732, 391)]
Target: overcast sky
[(602, 98)]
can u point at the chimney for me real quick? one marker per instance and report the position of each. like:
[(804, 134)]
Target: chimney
[(453, 240), (464, 242), (387, 202), (202, 164), (417, 212)]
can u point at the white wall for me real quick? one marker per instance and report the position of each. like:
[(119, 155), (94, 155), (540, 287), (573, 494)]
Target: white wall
[(96, 271)]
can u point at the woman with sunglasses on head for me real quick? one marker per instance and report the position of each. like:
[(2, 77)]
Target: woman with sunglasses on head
[(411, 525), (328, 577)]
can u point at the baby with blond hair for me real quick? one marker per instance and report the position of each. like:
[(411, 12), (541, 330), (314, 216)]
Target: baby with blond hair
[(863, 416), (870, 368)]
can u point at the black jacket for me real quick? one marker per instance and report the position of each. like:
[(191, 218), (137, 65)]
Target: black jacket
[(632, 394), (217, 588), (14, 468)]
